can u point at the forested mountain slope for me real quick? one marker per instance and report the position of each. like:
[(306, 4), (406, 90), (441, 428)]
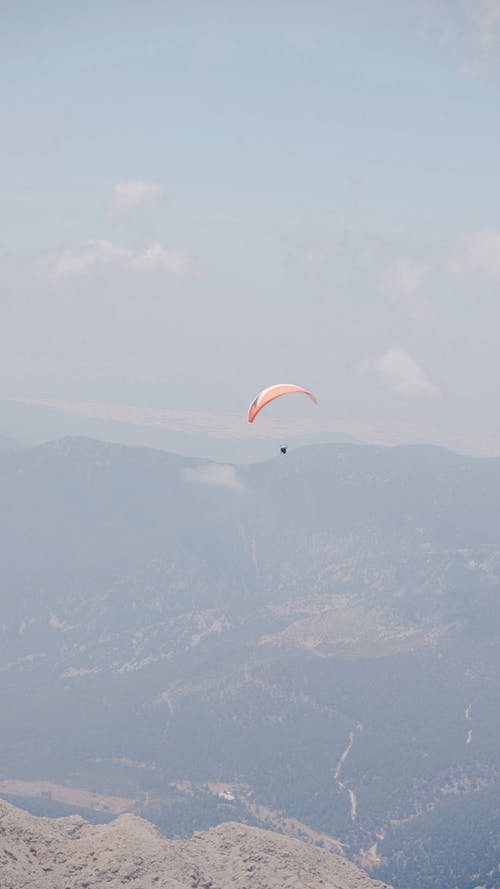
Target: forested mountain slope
[(310, 644)]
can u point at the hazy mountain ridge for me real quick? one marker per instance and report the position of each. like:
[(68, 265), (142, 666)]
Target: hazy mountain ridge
[(69, 853), (332, 615)]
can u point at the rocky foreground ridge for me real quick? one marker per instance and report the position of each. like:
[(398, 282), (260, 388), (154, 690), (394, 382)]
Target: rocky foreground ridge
[(70, 853)]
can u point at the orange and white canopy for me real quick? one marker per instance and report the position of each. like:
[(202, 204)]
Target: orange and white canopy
[(271, 393)]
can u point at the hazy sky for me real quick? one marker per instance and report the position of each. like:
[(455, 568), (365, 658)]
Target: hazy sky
[(201, 199)]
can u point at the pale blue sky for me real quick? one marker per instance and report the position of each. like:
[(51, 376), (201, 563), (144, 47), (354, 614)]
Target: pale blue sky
[(323, 205)]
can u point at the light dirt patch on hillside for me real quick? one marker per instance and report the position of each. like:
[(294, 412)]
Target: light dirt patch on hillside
[(348, 632), (71, 796)]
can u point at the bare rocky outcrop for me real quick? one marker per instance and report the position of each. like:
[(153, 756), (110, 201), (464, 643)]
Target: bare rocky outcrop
[(69, 853)]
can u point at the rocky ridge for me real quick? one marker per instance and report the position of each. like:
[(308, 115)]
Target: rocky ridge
[(70, 853)]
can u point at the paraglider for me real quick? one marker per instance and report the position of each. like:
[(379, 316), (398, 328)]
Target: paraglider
[(273, 392), (270, 394)]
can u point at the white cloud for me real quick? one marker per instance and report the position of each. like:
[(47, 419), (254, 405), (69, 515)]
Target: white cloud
[(403, 281), (471, 25), (402, 375), (480, 257), (133, 194), (215, 474), (72, 263), (157, 258), (484, 18), (154, 259)]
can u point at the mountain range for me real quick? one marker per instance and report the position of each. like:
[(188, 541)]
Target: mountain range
[(309, 644)]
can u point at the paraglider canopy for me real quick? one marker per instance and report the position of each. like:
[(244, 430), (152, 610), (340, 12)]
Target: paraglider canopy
[(273, 392)]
